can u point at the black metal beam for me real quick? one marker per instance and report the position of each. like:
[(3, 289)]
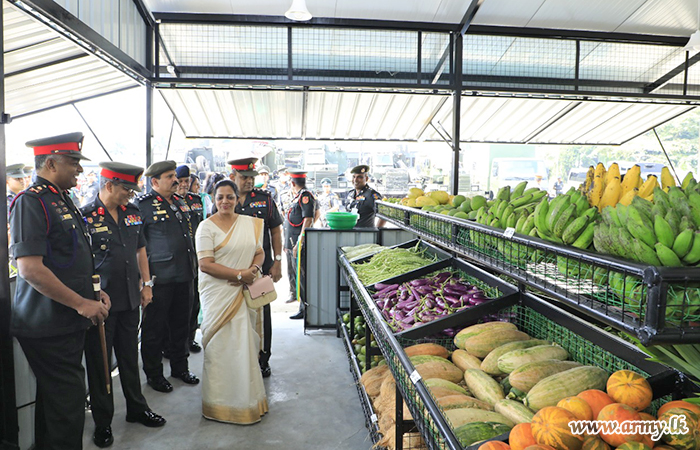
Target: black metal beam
[(457, 111), (149, 124), (469, 15), (242, 19), (671, 74), (145, 13), (69, 26)]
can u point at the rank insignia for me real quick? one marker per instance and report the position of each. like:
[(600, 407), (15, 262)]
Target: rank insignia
[(159, 198), (53, 189), (101, 211), (122, 207)]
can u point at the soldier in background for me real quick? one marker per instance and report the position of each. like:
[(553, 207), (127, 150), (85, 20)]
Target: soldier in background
[(264, 172), (361, 200), (119, 246), (171, 258), (54, 299), (300, 216), (15, 181), (89, 190), (328, 201)]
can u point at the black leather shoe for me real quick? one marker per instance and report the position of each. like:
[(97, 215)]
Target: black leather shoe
[(103, 437), (195, 347), (187, 376), (299, 315), (265, 369), (160, 384), (147, 418)]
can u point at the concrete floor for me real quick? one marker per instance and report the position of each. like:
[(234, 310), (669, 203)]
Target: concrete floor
[(311, 394)]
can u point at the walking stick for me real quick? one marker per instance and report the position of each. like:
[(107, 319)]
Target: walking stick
[(96, 287)]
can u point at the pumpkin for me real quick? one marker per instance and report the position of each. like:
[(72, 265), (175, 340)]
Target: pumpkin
[(577, 406), (596, 399), (663, 446), (678, 404), (646, 438), (630, 388), (498, 445), (539, 447), (550, 426), (633, 446), (681, 441), (521, 436), (594, 443), (619, 412)]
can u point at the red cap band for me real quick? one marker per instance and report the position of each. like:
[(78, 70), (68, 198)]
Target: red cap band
[(57, 148), (110, 174), (297, 175)]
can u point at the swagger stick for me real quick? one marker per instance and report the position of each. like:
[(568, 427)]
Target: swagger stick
[(96, 287)]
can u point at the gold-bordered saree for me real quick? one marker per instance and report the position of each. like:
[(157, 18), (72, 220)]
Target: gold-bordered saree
[(232, 385)]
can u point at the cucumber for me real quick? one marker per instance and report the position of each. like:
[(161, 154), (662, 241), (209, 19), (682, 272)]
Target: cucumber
[(515, 411), (490, 363), (482, 344), (439, 382), (479, 431), (483, 386), (554, 388), (474, 330), (528, 375), (512, 360), (463, 360), (462, 401), (461, 416)]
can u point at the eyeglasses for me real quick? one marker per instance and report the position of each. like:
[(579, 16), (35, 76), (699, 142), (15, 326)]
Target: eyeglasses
[(128, 191)]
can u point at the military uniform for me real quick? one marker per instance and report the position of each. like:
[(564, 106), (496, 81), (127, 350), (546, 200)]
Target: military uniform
[(363, 203), (45, 222), (172, 260), (89, 192), (13, 171), (301, 207), (194, 203), (326, 202)]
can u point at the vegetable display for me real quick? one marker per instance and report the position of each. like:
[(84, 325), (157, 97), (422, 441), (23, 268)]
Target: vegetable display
[(390, 263), (362, 250), (420, 301)]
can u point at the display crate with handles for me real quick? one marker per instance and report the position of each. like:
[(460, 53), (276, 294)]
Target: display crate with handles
[(585, 343), (658, 305)]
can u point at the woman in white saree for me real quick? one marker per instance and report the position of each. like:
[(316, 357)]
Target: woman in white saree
[(229, 249)]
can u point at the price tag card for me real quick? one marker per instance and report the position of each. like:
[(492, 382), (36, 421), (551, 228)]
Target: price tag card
[(415, 376), (509, 232), (373, 418)]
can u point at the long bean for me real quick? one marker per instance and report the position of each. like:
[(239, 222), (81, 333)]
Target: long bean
[(390, 263)]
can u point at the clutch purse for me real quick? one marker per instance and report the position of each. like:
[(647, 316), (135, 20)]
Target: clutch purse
[(260, 293)]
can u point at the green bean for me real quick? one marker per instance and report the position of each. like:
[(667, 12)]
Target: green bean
[(391, 263)]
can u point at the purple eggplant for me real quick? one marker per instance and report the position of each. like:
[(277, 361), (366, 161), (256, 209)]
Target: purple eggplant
[(408, 320), (454, 289), (478, 301), (429, 304), (380, 286), (420, 282)]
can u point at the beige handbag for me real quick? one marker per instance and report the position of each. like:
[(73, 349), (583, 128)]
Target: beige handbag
[(260, 293)]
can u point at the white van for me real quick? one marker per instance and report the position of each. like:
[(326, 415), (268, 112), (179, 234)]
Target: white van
[(576, 177)]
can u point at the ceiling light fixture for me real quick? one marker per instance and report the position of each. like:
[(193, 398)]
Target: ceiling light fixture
[(299, 12), (694, 41)]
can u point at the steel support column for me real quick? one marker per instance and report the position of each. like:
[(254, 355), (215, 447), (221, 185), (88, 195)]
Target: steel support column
[(456, 109), (149, 123), (9, 428)]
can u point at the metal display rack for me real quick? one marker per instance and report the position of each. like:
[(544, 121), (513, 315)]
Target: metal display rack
[(658, 305), (586, 343)]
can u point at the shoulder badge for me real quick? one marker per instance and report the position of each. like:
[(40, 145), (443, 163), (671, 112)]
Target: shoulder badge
[(305, 199), (376, 196)]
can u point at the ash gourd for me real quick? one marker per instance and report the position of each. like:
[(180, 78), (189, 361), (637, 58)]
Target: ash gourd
[(409, 304)]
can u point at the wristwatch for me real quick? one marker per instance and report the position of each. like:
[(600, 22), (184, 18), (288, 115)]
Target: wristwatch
[(278, 257), (239, 277), (148, 283)]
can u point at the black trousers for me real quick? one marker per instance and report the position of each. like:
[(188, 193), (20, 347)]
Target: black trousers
[(194, 318), (121, 330), (291, 273), (169, 313), (60, 389)]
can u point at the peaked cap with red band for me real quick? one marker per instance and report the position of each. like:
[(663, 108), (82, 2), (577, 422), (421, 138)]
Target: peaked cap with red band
[(296, 173), (69, 144), (244, 166), (124, 174)]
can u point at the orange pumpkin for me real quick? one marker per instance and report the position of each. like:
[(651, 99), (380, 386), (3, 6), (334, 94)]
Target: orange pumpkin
[(630, 388), (594, 443), (539, 447), (521, 436), (577, 406), (662, 446), (494, 445), (678, 404), (550, 426), (596, 399), (618, 412), (646, 438), (633, 446)]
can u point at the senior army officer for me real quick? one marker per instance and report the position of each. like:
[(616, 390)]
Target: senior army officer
[(54, 302), (259, 203), (119, 246), (300, 216), (171, 259), (194, 202), (361, 200)]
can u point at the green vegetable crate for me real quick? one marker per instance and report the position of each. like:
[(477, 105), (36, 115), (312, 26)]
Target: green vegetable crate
[(658, 305), (585, 343)]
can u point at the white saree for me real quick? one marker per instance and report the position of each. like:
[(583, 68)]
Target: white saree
[(232, 385)]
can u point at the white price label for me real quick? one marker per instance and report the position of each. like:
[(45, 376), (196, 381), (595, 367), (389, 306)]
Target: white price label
[(373, 418), (415, 376), (509, 232), (372, 306), (353, 356)]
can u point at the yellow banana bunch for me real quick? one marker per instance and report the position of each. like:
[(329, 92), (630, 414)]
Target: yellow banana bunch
[(612, 172), (589, 179), (598, 185), (611, 195), (648, 186), (667, 179), (631, 180), (628, 196)]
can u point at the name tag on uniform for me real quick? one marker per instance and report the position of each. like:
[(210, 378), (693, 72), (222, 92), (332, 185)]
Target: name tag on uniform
[(99, 230), (66, 217), (161, 212)]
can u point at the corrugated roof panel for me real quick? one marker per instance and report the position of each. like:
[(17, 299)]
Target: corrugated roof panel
[(40, 54), (602, 15), (581, 119), (666, 17), (19, 30)]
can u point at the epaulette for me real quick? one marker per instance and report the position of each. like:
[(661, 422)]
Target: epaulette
[(132, 206), (145, 196), (90, 207), (40, 189), (259, 191), (177, 196)]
